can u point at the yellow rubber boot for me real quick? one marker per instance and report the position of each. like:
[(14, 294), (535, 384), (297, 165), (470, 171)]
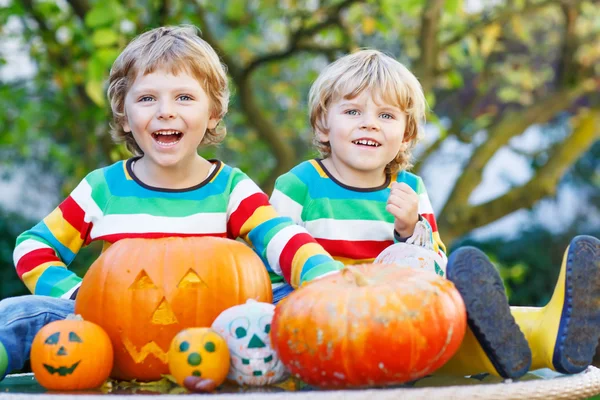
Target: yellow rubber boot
[(493, 343), (564, 334), (470, 359)]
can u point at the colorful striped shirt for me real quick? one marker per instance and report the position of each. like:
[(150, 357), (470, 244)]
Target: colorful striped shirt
[(112, 204), (351, 223)]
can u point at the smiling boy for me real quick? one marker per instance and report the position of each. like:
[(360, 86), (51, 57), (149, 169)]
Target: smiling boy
[(168, 92), (358, 199)]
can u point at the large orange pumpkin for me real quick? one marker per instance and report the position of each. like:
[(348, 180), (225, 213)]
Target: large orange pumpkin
[(71, 354), (369, 325), (144, 291)]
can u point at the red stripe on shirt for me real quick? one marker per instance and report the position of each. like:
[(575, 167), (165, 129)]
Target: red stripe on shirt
[(246, 208), (154, 235), (289, 251), (35, 258), (74, 215), (354, 249), (431, 219)]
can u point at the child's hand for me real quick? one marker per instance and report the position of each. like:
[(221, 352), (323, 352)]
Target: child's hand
[(403, 204)]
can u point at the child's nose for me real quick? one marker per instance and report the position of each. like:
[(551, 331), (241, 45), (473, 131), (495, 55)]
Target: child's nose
[(166, 111), (369, 122)]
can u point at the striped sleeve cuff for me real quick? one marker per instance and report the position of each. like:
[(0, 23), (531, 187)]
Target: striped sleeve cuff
[(399, 239), (320, 271)]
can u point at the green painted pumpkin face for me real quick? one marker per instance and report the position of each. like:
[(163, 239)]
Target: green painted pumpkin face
[(67, 358), (199, 352), (247, 328), (71, 354)]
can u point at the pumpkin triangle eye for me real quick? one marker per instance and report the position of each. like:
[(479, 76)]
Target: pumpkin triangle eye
[(191, 280), (74, 338), (53, 339), (142, 281)]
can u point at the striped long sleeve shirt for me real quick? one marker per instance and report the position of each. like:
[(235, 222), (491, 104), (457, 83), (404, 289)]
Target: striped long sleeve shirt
[(112, 204), (352, 224)]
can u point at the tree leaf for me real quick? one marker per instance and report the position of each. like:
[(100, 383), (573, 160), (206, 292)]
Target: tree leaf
[(490, 36), (105, 37), (452, 6), (95, 91), (368, 25)]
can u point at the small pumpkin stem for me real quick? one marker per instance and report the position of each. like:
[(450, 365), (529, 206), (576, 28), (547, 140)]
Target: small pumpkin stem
[(74, 317), (359, 278)]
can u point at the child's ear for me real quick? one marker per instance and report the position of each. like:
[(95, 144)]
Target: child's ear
[(322, 135), (322, 131), (126, 126), (212, 123)]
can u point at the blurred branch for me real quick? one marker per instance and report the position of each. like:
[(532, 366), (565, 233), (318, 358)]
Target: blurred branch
[(282, 151), (542, 184), (484, 19), (207, 35), (428, 152), (163, 12), (296, 38), (511, 124), (428, 42), (288, 52), (566, 74), (80, 7)]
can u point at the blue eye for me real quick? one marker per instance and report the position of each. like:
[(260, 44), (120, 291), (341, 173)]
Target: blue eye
[(74, 338), (352, 112), (240, 332), (238, 328), (387, 116), (53, 339), (145, 98), (185, 97)]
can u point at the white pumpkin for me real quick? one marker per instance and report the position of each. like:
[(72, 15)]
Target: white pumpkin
[(246, 330), (413, 256)]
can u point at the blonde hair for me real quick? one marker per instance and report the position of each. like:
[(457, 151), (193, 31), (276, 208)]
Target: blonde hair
[(175, 49), (371, 70)]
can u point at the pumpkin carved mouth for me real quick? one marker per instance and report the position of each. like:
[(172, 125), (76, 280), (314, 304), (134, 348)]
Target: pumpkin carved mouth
[(255, 360), (62, 371), (139, 356)]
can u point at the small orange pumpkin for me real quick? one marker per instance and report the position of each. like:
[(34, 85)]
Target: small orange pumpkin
[(369, 325), (71, 354), (200, 352), (145, 291)]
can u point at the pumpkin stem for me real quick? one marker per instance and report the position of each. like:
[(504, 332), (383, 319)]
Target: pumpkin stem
[(359, 278), (74, 317)]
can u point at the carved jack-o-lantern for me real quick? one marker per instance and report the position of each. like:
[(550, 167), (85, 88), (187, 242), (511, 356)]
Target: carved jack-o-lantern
[(71, 354), (144, 291), (199, 352), (247, 328)]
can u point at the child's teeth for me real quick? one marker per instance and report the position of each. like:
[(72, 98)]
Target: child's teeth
[(367, 142)]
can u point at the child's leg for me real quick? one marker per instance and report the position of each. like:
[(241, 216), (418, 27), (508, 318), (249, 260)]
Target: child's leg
[(20, 320), (493, 343), (564, 334), (281, 292)]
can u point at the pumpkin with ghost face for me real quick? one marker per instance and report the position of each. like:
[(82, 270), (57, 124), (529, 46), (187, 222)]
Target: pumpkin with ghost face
[(145, 291), (71, 354), (247, 328), (199, 352)]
